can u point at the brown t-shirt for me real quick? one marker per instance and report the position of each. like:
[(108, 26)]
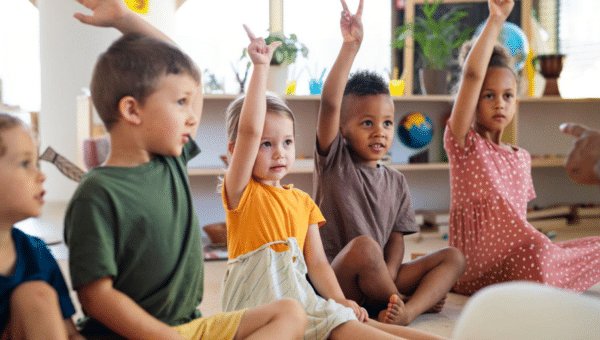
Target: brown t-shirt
[(359, 200)]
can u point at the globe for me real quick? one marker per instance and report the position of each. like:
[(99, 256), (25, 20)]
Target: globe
[(515, 40), (415, 130)]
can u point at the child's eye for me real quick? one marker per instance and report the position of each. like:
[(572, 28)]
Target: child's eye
[(367, 123), (508, 95), (488, 96), (25, 164), (181, 101), (288, 142), (388, 123), (266, 144)]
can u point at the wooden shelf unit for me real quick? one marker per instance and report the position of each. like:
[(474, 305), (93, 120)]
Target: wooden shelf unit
[(409, 44)]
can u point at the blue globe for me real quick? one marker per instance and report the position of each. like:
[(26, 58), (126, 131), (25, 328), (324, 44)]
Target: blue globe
[(415, 130), (515, 40)]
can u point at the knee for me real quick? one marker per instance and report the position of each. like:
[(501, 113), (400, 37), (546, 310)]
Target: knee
[(364, 248), (295, 314), (34, 294), (456, 258)]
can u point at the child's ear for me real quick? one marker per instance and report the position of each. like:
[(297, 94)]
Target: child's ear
[(129, 109)]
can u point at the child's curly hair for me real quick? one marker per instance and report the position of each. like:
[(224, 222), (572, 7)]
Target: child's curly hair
[(363, 83), (500, 58)]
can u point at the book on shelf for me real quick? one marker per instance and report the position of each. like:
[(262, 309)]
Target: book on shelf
[(549, 212)]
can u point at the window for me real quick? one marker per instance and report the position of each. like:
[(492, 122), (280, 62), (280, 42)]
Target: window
[(579, 40), (317, 25), (211, 33), (20, 57)]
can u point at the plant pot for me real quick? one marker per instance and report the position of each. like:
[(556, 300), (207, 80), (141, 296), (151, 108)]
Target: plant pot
[(434, 81), (277, 79), (550, 67)]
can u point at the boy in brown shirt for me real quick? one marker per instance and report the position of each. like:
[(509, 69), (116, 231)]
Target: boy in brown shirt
[(367, 205)]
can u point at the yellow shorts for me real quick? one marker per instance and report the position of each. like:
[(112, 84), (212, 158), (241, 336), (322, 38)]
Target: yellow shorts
[(221, 326)]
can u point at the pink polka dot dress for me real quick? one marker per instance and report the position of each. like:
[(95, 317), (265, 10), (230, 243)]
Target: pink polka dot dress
[(490, 188)]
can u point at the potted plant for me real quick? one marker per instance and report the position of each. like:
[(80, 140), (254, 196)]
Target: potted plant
[(283, 56), (436, 40)]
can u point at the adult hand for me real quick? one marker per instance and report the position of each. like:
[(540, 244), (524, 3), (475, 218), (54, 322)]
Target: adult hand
[(584, 154)]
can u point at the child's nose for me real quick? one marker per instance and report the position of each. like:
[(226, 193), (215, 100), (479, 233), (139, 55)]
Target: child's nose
[(193, 119), (41, 177)]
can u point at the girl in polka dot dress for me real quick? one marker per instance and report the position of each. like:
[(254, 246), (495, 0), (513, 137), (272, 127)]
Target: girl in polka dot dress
[(491, 181)]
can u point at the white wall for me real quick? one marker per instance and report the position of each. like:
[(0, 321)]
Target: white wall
[(68, 51)]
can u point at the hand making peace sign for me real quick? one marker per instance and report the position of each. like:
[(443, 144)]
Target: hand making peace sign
[(351, 25)]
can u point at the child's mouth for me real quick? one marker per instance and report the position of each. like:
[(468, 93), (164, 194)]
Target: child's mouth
[(377, 147), (40, 197), (278, 168)]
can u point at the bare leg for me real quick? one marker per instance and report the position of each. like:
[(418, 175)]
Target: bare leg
[(362, 273), (35, 313), (282, 319), (375, 330), (428, 279)]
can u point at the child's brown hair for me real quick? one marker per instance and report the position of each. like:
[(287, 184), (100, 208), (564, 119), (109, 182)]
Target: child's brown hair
[(7, 122), (133, 66), (500, 58)]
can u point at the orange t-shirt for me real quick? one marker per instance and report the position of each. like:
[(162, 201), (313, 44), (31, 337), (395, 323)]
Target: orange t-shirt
[(266, 214)]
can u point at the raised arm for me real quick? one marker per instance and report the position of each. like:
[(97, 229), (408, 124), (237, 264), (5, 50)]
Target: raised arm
[(114, 13), (252, 121), (475, 69), (333, 90)]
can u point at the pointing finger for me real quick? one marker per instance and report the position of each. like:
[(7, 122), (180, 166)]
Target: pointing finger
[(249, 32)]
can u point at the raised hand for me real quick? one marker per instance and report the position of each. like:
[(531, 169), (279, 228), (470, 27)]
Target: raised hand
[(260, 53), (501, 8), (107, 13), (351, 25)]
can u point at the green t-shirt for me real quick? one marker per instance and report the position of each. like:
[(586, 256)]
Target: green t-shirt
[(138, 226)]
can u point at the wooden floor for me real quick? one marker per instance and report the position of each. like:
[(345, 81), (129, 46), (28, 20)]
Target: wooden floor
[(442, 323)]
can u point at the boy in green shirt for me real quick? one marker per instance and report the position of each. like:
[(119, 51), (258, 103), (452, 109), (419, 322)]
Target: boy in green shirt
[(134, 240)]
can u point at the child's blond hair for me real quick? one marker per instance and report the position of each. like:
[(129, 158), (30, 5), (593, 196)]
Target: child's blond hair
[(274, 104)]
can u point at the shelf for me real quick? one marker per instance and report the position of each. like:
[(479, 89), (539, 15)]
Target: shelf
[(308, 169), (547, 162)]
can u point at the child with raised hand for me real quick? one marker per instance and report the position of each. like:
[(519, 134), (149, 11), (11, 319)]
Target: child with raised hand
[(491, 181), (135, 251), (34, 298), (366, 204), (272, 229)]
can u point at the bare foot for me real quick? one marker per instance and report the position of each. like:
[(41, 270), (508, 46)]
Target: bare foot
[(438, 306), (396, 312)]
